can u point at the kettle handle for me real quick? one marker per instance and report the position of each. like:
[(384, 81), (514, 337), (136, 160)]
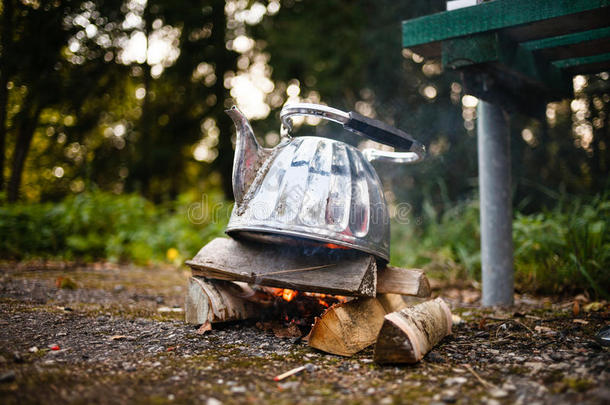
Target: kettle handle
[(373, 129)]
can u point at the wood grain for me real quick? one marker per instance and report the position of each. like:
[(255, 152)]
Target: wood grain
[(347, 328), (216, 301)]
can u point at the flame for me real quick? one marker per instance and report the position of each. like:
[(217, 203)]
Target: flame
[(333, 246), (284, 293), (288, 295), (323, 299)]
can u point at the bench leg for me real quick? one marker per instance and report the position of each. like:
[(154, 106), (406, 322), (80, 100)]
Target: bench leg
[(496, 208)]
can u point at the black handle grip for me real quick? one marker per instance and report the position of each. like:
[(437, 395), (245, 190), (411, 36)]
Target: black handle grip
[(379, 131)]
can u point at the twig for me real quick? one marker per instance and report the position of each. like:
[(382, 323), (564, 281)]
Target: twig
[(524, 325), (292, 372), (484, 383), (497, 318)]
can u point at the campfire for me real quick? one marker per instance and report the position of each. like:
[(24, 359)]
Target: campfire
[(310, 227), (339, 300)]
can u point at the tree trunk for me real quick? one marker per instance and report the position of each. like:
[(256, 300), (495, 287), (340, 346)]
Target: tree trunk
[(7, 28), (224, 61), (26, 128), (142, 166)]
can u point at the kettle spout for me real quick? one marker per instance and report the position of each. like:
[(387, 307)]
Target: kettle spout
[(249, 155)]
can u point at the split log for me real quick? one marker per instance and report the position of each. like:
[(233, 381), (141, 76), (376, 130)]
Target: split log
[(328, 271), (216, 301), (396, 280), (407, 335), (347, 328)]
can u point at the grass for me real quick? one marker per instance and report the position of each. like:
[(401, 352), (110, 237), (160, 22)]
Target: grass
[(563, 250)]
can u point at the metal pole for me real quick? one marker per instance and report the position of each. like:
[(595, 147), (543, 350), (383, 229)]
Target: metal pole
[(493, 141)]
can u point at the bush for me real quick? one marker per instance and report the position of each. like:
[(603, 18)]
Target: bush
[(566, 249), (98, 225), (446, 244)]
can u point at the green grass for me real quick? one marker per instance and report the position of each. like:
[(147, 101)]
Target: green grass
[(563, 250)]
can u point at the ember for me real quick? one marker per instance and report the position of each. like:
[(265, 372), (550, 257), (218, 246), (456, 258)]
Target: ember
[(333, 246), (284, 293)]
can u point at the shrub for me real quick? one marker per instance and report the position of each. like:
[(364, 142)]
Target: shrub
[(98, 225), (566, 249)]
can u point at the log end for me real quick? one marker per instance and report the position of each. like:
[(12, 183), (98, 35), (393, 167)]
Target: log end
[(196, 304), (424, 290), (345, 329), (407, 335), (393, 346), (368, 286)]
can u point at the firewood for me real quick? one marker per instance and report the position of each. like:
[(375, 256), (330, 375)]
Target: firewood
[(396, 280), (407, 335), (216, 301), (347, 328), (337, 272), (340, 272)]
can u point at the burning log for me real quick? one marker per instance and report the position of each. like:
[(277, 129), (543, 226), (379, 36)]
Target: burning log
[(347, 328), (341, 272), (407, 335), (217, 301), (329, 271)]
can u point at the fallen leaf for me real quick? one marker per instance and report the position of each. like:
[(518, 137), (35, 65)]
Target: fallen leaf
[(580, 321), (594, 306), (65, 282), (581, 298), (575, 308), (456, 319), (543, 329), (206, 327)]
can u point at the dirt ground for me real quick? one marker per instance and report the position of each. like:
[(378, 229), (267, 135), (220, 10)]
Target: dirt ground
[(114, 334)]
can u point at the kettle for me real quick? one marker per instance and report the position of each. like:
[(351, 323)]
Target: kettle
[(315, 190)]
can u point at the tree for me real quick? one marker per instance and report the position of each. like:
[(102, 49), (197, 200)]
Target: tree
[(43, 77)]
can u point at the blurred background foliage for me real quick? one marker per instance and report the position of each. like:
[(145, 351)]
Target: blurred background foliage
[(112, 129)]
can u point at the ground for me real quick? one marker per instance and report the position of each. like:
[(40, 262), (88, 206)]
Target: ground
[(114, 334)]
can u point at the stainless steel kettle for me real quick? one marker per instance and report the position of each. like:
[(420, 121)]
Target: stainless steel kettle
[(314, 189)]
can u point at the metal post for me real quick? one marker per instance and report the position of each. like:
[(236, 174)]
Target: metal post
[(496, 209)]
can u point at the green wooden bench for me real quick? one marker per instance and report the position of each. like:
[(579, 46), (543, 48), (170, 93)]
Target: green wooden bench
[(515, 55)]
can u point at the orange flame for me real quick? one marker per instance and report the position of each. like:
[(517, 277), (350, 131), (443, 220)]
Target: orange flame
[(333, 246), (323, 303), (288, 295), (285, 293)]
